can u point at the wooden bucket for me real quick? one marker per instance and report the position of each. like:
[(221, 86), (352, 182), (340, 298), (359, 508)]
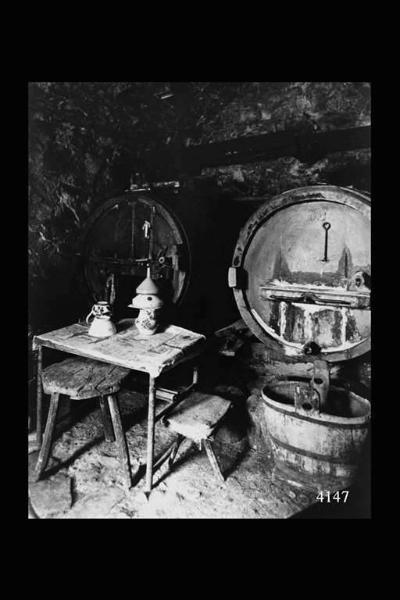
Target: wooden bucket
[(315, 450)]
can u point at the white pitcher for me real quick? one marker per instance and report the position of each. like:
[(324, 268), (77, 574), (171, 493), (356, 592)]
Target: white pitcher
[(101, 325)]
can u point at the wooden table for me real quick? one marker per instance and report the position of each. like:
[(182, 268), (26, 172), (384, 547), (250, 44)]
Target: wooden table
[(128, 348)]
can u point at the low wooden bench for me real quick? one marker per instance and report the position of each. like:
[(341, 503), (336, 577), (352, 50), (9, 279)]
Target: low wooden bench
[(197, 418), (81, 379)]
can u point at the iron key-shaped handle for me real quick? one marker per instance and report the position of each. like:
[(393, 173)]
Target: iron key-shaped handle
[(326, 226)]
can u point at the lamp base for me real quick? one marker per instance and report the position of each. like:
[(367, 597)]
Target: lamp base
[(146, 322)]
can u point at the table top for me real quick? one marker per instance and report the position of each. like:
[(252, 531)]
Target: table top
[(127, 348)]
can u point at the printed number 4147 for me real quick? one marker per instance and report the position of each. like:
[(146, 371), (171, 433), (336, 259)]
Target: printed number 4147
[(326, 496)]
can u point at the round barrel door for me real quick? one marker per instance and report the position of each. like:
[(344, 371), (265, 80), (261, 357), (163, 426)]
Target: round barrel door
[(301, 273), (126, 235)]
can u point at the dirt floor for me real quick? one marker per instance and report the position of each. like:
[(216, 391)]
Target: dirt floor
[(83, 479)]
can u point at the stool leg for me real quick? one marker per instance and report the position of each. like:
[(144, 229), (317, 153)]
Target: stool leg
[(170, 451), (48, 436), (174, 450), (213, 460), (120, 439), (107, 425)]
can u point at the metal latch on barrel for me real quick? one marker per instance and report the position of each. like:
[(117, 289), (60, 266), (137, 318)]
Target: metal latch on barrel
[(237, 277)]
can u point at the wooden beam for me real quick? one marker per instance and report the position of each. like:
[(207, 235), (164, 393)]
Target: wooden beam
[(308, 147)]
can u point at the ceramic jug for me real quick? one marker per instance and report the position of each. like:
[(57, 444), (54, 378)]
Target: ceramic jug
[(101, 325)]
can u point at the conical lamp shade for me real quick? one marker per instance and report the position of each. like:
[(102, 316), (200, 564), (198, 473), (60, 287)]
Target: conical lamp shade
[(147, 286)]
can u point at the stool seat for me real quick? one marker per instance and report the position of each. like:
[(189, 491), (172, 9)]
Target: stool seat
[(197, 415), (82, 378)]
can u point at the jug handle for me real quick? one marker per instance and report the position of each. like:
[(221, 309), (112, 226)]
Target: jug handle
[(88, 317)]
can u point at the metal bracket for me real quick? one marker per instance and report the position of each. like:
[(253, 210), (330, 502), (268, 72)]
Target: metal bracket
[(320, 382), (306, 400), (312, 399)]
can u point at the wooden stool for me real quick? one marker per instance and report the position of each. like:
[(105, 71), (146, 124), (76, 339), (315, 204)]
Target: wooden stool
[(81, 379), (196, 417)]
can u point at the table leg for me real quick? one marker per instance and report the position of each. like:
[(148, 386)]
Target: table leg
[(150, 437), (39, 398)]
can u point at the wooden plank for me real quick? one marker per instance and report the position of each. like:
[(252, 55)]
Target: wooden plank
[(317, 294)]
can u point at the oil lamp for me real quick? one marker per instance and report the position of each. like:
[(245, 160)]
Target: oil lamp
[(148, 302)]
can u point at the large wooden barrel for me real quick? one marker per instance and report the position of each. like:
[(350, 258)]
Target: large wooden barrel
[(312, 449), (301, 273), (126, 234)]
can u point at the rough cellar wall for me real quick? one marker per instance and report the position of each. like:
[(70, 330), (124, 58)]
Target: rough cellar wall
[(75, 139), (298, 107)]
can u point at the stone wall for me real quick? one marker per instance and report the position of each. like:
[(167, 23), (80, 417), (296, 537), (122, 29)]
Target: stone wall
[(298, 107)]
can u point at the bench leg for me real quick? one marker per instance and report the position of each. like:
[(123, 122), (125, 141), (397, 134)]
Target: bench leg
[(48, 436), (120, 439), (107, 425), (213, 460)]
